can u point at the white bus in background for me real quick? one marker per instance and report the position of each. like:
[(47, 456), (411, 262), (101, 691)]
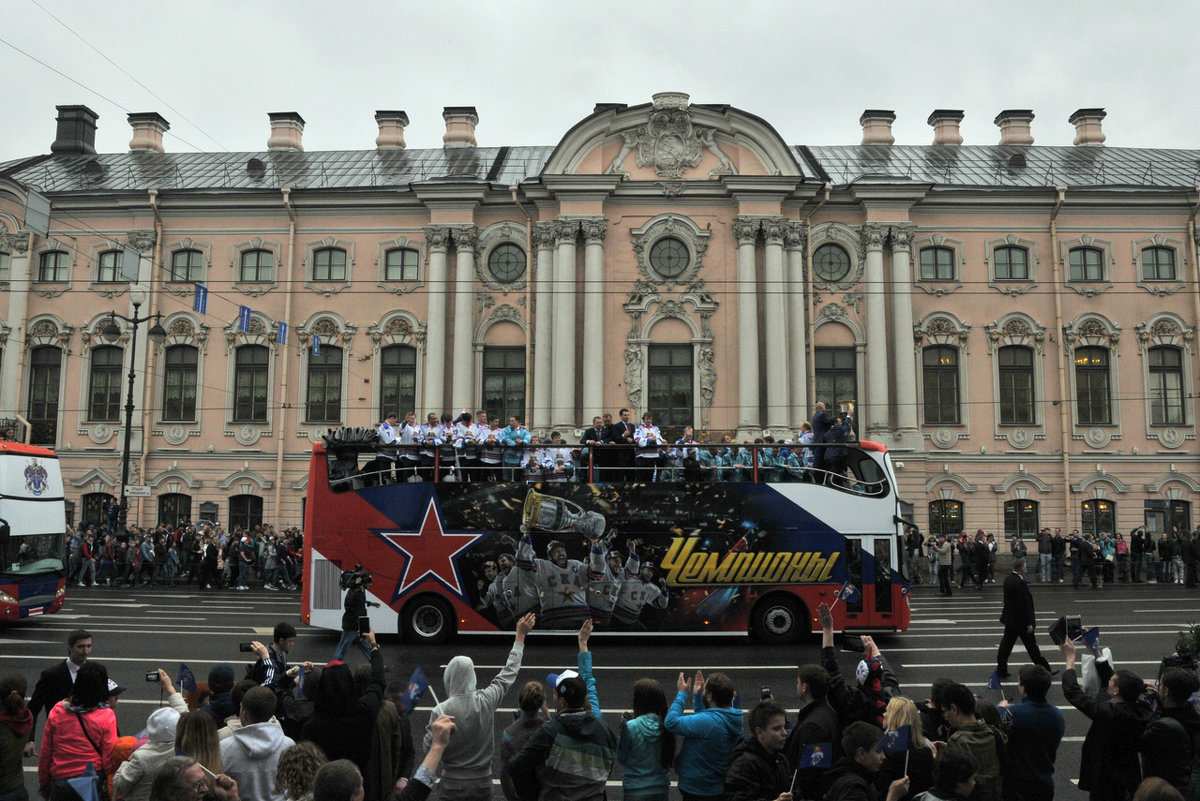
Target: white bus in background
[(33, 527)]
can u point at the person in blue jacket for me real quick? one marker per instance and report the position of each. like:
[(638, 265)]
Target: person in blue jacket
[(646, 749), (709, 735)]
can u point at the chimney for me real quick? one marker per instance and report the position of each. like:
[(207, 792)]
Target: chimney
[(1087, 126), (877, 127), (148, 129), (1014, 126), (460, 126), (391, 129), (76, 134), (945, 126), (287, 128)]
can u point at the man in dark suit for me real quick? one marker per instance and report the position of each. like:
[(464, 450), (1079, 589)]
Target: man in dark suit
[(1018, 618), (593, 439), (622, 434), (56, 682), (821, 422)]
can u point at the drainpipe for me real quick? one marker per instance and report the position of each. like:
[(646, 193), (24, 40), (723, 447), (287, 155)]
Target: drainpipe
[(528, 306), (151, 350), (1064, 403), (281, 434), (810, 323), (1195, 257)]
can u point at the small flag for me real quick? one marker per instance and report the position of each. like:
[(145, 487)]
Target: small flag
[(186, 679), (817, 755), (316, 345), (200, 299), (895, 740), (282, 333), (848, 593), (300, 680), (1092, 638), (87, 784), (994, 681), (417, 685), (244, 319)]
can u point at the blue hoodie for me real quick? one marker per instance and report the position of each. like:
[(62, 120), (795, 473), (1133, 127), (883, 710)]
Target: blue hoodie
[(640, 752), (709, 738)]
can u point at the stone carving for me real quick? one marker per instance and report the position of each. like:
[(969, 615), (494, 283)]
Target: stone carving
[(617, 165), (633, 375), (694, 238), (466, 238), (175, 434), (672, 188), (566, 230), (794, 236), (100, 433), (1091, 328), (1170, 437), (773, 228), (668, 142), (902, 236), (871, 237), (44, 328), (708, 138), (745, 229), (1093, 331), (181, 328), (142, 240), (437, 237), (854, 300), (1020, 438), (1097, 437), (832, 312), (506, 313), (1016, 328), (943, 437), (594, 230), (246, 435), (708, 382), (543, 235), (14, 244)]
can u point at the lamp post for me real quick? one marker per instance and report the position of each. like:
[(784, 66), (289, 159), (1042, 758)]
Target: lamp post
[(111, 333)]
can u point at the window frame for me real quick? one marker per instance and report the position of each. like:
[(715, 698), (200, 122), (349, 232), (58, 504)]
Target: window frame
[(1093, 373), (319, 366), (1158, 250), (818, 275), (505, 246), (1010, 249), (937, 252), (258, 267), (672, 429), (404, 373), (942, 415), (62, 263), (329, 265), (198, 267), (1158, 412), (506, 373), (655, 248), (41, 378), (416, 265), (937, 523), (174, 378), (109, 265), (1014, 510), (105, 379), (251, 370), (1097, 511), (5, 266), (1084, 278), (1003, 370)]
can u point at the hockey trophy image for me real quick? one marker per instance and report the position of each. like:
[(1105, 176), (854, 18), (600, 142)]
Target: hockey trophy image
[(547, 513)]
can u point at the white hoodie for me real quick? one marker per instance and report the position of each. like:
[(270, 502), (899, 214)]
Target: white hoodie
[(249, 757)]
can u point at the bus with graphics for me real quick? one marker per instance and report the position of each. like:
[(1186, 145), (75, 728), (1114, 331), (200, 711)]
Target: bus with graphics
[(751, 551), (33, 529)]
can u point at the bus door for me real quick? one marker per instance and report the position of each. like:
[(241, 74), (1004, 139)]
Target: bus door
[(869, 560)]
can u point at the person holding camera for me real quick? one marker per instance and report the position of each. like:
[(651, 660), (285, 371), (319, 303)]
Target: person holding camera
[(354, 618)]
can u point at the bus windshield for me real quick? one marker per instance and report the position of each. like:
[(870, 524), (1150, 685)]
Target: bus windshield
[(31, 554)]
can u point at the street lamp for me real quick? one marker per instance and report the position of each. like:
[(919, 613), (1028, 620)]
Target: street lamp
[(111, 333)]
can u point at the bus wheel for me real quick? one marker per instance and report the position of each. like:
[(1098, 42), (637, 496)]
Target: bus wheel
[(427, 619), (779, 620)]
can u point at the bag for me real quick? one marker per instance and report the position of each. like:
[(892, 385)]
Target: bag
[(97, 776)]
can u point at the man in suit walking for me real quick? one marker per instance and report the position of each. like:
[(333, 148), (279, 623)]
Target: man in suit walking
[(56, 682), (1018, 618)]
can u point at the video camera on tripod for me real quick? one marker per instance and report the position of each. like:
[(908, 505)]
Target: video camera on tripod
[(350, 577)]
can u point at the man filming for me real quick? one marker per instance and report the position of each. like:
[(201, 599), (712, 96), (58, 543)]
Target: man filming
[(355, 606)]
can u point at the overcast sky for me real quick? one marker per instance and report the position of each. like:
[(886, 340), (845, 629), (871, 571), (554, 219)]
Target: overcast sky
[(534, 69)]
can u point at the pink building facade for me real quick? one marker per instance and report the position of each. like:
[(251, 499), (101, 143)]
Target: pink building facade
[(1015, 322)]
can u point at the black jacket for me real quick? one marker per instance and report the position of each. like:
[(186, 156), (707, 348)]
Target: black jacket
[(1109, 765), (343, 721), (849, 781), (1168, 746), (816, 723), (52, 686), (756, 775), (1018, 603)]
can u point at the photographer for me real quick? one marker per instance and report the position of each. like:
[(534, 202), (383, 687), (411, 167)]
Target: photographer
[(271, 669), (355, 607)]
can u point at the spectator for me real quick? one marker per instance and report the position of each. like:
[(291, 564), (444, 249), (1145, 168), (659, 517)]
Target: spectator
[(1157, 789), (16, 724), (220, 700), (79, 731), (645, 749), (571, 756), (196, 737), (1109, 766), (467, 764), (817, 722), (917, 762), (759, 770), (343, 720), (133, 779), (422, 781), (875, 682), (953, 777), (182, 778), (531, 714), (251, 753), (709, 735), (297, 705), (55, 683), (933, 723), (971, 735), (391, 741), (1169, 744), (296, 769), (1035, 729), (852, 778), (234, 721), (271, 669), (339, 780)]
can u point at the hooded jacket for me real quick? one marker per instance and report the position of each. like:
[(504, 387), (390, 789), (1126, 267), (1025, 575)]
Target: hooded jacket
[(709, 737), (640, 752), (343, 721), (756, 774), (574, 750), (250, 756), (468, 757), (136, 774)]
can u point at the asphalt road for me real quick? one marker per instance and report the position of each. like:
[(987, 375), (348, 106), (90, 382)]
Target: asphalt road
[(955, 637)]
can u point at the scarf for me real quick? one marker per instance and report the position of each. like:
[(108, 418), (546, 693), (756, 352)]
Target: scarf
[(21, 723)]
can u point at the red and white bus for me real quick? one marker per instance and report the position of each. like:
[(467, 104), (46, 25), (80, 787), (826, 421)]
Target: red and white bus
[(33, 530), (667, 557)]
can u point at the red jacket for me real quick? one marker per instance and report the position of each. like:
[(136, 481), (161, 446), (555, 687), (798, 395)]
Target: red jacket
[(66, 749)]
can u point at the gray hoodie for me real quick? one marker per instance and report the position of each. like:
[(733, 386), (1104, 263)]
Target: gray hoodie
[(468, 758), (250, 755)]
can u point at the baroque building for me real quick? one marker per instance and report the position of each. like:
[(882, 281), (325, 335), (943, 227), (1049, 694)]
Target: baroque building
[(1014, 322)]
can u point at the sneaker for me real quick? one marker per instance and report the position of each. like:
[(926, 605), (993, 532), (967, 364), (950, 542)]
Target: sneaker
[(270, 587), (81, 584)]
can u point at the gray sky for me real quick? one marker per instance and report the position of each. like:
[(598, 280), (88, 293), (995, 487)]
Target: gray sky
[(534, 69)]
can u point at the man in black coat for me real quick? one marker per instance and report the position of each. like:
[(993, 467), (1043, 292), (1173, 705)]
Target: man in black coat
[(821, 421), (1018, 618), (622, 434), (56, 682), (594, 439), (759, 770)]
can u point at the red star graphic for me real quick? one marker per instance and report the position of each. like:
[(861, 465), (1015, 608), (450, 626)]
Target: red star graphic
[(430, 551)]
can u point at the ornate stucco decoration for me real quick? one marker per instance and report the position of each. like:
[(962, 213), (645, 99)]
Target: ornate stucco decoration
[(143, 241), (328, 288), (255, 288), (683, 229), (259, 334), (330, 331), (940, 329), (1009, 286), (489, 238), (1091, 332), (397, 329), (670, 143), (1016, 330), (48, 331)]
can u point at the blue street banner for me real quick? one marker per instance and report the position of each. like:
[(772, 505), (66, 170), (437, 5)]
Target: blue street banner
[(244, 319), (817, 755), (417, 685), (895, 740), (1092, 638), (282, 333), (994, 681), (185, 679), (200, 299), (316, 345)]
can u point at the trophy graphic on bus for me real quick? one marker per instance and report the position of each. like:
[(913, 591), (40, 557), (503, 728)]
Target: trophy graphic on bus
[(547, 513)]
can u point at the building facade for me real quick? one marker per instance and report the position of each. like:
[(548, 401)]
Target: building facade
[(1015, 322)]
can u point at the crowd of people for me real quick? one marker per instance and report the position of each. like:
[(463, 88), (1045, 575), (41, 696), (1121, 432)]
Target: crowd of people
[(331, 733)]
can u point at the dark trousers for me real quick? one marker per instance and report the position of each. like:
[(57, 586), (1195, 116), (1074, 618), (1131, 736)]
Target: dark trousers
[(1028, 639), (944, 579)]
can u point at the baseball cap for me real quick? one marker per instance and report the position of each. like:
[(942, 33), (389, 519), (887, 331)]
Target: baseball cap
[(114, 688), (554, 679)]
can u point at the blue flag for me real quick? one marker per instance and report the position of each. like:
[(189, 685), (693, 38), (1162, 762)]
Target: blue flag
[(87, 785), (894, 740), (417, 685), (816, 755), (848, 593), (316, 344), (186, 679), (244, 319), (300, 680), (200, 299), (994, 681), (1092, 638), (282, 333)]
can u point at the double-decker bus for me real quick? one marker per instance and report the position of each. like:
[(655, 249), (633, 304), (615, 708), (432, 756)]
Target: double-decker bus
[(32, 532), (755, 555)]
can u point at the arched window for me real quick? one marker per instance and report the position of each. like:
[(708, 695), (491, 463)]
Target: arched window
[(95, 508), (1021, 517), (1158, 264), (54, 265), (937, 264), (1166, 386), (1011, 263), (174, 509), (245, 511), (671, 397), (1099, 517), (1015, 368), (257, 266), (329, 264), (397, 380), (104, 389), (1087, 264), (1093, 399), (179, 379), (945, 517), (109, 267), (324, 403), (187, 265), (250, 384), (940, 376), (5, 265), (504, 381)]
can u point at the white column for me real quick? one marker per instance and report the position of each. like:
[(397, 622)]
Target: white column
[(17, 246), (794, 242), (902, 333), (775, 332), (543, 325), (593, 317), (875, 382), (462, 392), (745, 229), (437, 238), (562, 412)]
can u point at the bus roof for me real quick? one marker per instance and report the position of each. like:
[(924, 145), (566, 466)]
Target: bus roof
[(21, 449)]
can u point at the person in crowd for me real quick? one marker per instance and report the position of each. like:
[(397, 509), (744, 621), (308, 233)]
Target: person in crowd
[(1018, 618), (531, 714), (271, 670), (852, 777), (875, 684), (338, 780), (917, 762), (709, 734), (16, 725), (945, 564), (55, 682), (233, 721), (354, 607), (79, 731), (389, 451), (251, 753), (971, 735), (1045, 555), (1058, 551), (136, 774), (648, 455), (1035, 728), (1157, 789), (572, 754), (645, 749), (953, 777), (181, 778), (514, 437), (391, 743), (817, 722), (759, 770), (820, 424), (296, 769), (467, 762), (1109, 766), (343, 719), (1169, 744), (622, 434), (421, 784), (196, 737)]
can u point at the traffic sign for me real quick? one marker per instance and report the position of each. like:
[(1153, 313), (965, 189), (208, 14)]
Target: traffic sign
[(137, 490)]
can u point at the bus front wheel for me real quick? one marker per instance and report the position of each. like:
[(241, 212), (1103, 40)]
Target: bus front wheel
[(427, 619), (779, 620)]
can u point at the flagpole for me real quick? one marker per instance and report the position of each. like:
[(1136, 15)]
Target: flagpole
[(906, 754)]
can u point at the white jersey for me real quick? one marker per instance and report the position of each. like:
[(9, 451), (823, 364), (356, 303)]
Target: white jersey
[(387, 441), (562, 589), (635, 594), (520, 592), (604, 585)]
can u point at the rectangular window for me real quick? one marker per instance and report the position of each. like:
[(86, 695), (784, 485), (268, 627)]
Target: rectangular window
[(1087, 264), (53, 266), (325, 386), (937, 264), (1011, 263), (1016, 385), (1021, 517), (1092, 398), (1166, 386), (5, 265), (186, 265), (250, 384), (329, 264), (1158, 264), (1099, 517), (179, 391), (257, 266), (45, 364), (670, 397), (940, 376), (109, 270), (504, 381), (401, 265), (836, 380), (945, 517), (245, 511), (398, 380), (104, 392)]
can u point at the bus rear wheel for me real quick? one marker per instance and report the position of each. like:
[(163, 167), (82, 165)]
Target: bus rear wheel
[(427, 619), (779, 620)]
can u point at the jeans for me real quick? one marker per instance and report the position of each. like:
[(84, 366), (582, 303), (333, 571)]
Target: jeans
[(87, 573), (349, 638), (243, 574), (1057, 573), (1135, 566), (1148, 558), (1046, 560)]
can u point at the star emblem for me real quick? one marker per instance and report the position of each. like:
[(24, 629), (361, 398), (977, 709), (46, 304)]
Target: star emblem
[(430, 551)]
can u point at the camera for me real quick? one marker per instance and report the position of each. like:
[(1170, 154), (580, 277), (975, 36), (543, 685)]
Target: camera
[(1067, 627), (349, 577), (764, 693), (246, 647), (152, 675)]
